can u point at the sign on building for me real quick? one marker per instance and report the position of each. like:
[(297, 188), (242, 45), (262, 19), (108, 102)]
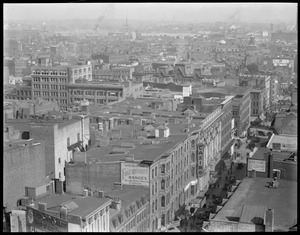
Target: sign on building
[(257, 165), (134, 174), (38, 221)]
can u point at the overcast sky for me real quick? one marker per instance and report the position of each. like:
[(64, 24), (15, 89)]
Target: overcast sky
[(185, 12)]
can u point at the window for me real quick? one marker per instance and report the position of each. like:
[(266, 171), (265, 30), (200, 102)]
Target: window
[(152, 207), (59, 175), (163, 168), (155, 171), (162, 184), (155, 187), (163, 220), (163, 201), (152, 173), (59, 160), (193, 171), (152, 189), (78, 137), (155, 204)]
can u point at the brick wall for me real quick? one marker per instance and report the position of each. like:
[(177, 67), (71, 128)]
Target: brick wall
[(100, 176), (46, 133), (23, 166)]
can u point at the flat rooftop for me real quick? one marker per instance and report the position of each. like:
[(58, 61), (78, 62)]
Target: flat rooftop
[(81, 206), (253, 191)]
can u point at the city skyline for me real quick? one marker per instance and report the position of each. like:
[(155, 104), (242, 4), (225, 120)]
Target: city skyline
[(178, 12)]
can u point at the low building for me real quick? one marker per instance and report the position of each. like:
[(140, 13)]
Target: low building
[(282, 143), (68, 213), (253, 207)]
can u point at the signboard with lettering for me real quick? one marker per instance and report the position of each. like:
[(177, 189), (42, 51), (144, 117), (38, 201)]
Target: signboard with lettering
[(257, 165), (134, 174), (38, 221)]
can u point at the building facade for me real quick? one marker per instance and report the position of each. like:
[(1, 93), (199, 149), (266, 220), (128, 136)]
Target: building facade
[(94, 93)]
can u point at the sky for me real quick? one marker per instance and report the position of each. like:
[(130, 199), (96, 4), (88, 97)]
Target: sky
[(184, 12)]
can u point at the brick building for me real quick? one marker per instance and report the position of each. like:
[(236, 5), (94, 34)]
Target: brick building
[(61, 137), (50, 83), (23, 166), (241, 112)]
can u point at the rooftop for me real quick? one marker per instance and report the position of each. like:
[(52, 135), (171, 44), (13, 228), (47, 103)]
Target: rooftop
[(287, 141), (127, 195), (253, 192), (82, 206)]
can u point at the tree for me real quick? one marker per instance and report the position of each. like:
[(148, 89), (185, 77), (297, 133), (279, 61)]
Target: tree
[(252, 68)]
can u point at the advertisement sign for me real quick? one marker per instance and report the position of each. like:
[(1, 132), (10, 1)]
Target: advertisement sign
[(133, 174), (257, 165), (38, 221)]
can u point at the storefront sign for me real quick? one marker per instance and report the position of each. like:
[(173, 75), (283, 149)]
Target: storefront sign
[(257, 165), (133, 174), (38, 221)]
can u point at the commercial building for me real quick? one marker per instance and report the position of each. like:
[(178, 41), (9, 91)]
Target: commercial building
[(253, 207), (241, 112), (50, 83), (94, 93), (256, 104), (261, 82)]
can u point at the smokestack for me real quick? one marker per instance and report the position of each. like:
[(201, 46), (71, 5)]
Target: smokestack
[(269, 220)]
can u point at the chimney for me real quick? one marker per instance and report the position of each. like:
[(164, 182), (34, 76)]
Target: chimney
[(42, 206), (63, 213), (269, 220)]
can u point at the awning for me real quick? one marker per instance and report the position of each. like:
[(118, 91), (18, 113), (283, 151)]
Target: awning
[(78, 144)]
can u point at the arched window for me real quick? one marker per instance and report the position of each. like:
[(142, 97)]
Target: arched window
[(163, 201), (162, 184), (163, 168)]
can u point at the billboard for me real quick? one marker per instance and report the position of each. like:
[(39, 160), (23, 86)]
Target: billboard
[(38, 221), (257, 165), (134, 174)]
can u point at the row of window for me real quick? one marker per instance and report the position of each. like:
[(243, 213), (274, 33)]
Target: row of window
[(47, 72), (39, 79), (98, 93)]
